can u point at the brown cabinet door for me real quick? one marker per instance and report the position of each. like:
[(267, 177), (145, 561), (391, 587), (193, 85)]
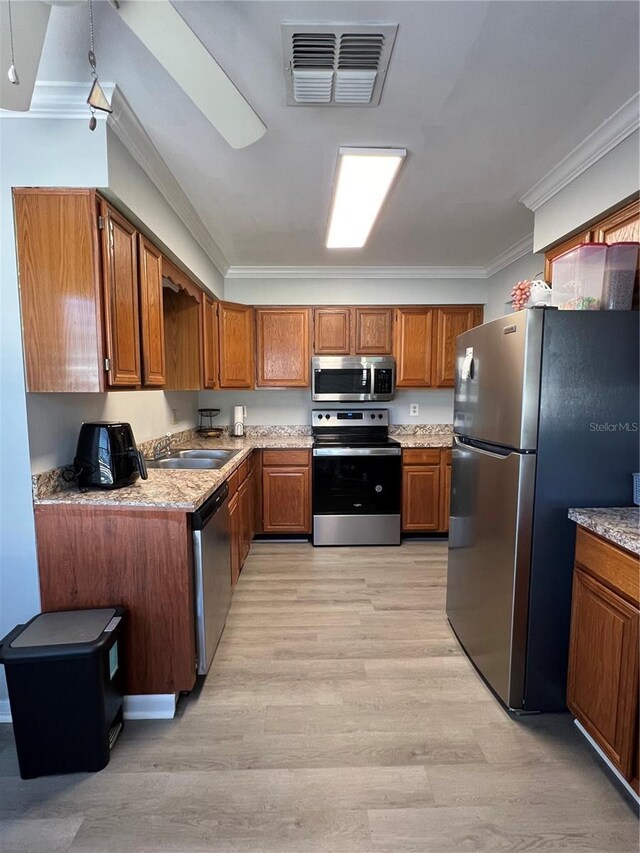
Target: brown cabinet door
[(209, 343), (332, 331), (58, 262), (602, 690), (623, 226), (286, 500), (235, 345), (445, 494), (373, 331), (120, 281), (151, 316), (283, 351), (413, 334), (421, 497), (235, 531), (449, 323)]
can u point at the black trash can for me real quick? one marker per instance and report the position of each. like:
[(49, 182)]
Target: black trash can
[(65, 678)]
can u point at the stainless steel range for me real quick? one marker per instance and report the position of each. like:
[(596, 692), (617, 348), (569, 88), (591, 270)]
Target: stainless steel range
[(356, 478)]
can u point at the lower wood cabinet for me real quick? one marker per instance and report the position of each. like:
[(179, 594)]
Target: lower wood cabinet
[(286, 491), (140, 559), (602, 687), (241, 515), (426, 488)]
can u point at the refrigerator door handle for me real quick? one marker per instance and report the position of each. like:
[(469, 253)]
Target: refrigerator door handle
[(464, 446)]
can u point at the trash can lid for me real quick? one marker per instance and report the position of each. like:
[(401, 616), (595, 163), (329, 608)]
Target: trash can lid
[(64, 627)]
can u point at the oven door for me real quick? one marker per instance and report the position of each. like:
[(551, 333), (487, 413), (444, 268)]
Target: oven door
[(351, 383), (356, 481)]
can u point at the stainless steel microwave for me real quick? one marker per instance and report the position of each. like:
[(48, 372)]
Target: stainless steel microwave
[(346, 379)]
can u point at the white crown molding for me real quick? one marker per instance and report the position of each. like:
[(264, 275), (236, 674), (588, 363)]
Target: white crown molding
[(53, 99), (126, 126), (326, 272), (610, 133), (513, 253)]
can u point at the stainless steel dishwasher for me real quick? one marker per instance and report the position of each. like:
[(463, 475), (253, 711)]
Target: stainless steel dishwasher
[(212, 564)]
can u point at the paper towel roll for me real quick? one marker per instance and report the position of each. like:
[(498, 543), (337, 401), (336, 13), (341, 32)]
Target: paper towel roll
[(238, 420)]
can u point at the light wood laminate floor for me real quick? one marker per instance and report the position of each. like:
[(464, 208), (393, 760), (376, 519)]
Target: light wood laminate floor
[(339, 715)]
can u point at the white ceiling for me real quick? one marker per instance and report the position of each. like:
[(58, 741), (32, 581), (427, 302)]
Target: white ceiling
[(486, 97)]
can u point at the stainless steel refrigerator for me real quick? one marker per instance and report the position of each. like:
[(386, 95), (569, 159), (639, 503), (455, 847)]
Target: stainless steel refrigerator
[(545, 418)]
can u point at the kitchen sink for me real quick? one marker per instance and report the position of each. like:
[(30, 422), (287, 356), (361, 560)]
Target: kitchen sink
[(187, 464), (223, 455)]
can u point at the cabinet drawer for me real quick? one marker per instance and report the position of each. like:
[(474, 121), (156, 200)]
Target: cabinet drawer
[(616, 568), (285, 457), (234, 482), (445, 457), (420, 456), (243, 470)]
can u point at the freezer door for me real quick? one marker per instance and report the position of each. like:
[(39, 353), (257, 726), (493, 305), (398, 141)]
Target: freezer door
[(489, 557), (498, 380)]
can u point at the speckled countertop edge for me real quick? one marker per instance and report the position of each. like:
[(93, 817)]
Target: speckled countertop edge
[(188, 489), (619, 525)]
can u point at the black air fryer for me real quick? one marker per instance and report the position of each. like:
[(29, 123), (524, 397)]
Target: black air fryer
[(107, 456)]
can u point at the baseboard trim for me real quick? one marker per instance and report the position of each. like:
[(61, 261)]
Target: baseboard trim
[(607, 761), (5, 711), (155, 706)]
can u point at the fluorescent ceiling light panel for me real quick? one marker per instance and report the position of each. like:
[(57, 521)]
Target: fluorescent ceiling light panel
[(363, 179)]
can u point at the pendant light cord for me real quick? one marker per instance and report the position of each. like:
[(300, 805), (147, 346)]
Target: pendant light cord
[(92, 55), (13, 62)]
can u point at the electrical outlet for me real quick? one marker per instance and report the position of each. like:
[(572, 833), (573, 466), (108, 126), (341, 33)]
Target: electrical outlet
[(175, 416), (414, 410)]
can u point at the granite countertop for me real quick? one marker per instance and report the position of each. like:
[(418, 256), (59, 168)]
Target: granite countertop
[(187, 489), (619, 525)]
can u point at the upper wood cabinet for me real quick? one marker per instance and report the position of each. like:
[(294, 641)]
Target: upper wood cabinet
[(372, 330), (449, 323), (120, 278), (282, 347), (332, 331), (353, 331), (58, 249), (235, 345), (209, 343), (151, 313), (413, 336), (182, 329)]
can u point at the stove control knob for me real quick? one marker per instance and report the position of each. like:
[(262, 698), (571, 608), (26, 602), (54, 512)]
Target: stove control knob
[(380, 416), (378, 489), (372, 417)]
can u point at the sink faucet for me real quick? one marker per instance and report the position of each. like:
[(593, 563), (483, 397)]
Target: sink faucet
[(162, 447)]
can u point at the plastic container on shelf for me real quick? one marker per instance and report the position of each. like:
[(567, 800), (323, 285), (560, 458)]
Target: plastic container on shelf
[(620, 276), (577, 278)]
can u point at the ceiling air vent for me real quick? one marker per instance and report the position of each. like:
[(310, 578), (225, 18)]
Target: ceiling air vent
[(336, 64)]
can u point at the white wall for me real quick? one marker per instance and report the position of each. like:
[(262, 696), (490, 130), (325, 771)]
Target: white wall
[(131, 186), (44, 152), (271, 406), (610, 180), (373, 291), (500, 284), (40, 153)]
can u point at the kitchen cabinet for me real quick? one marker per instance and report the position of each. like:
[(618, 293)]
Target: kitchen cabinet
[(602, 687), (332, 331), (58, 246), (357, 330), (372, 331), (241, 515), (235, 536), (621, 226), (95, 314), (445, 489), (151, 313), (140, 559), (425, 343), (286, 491), (413, 346), (421, 500), (182, 329), (120, 278), (449, 322), (283, 350), (235, 345), (209, 343)]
